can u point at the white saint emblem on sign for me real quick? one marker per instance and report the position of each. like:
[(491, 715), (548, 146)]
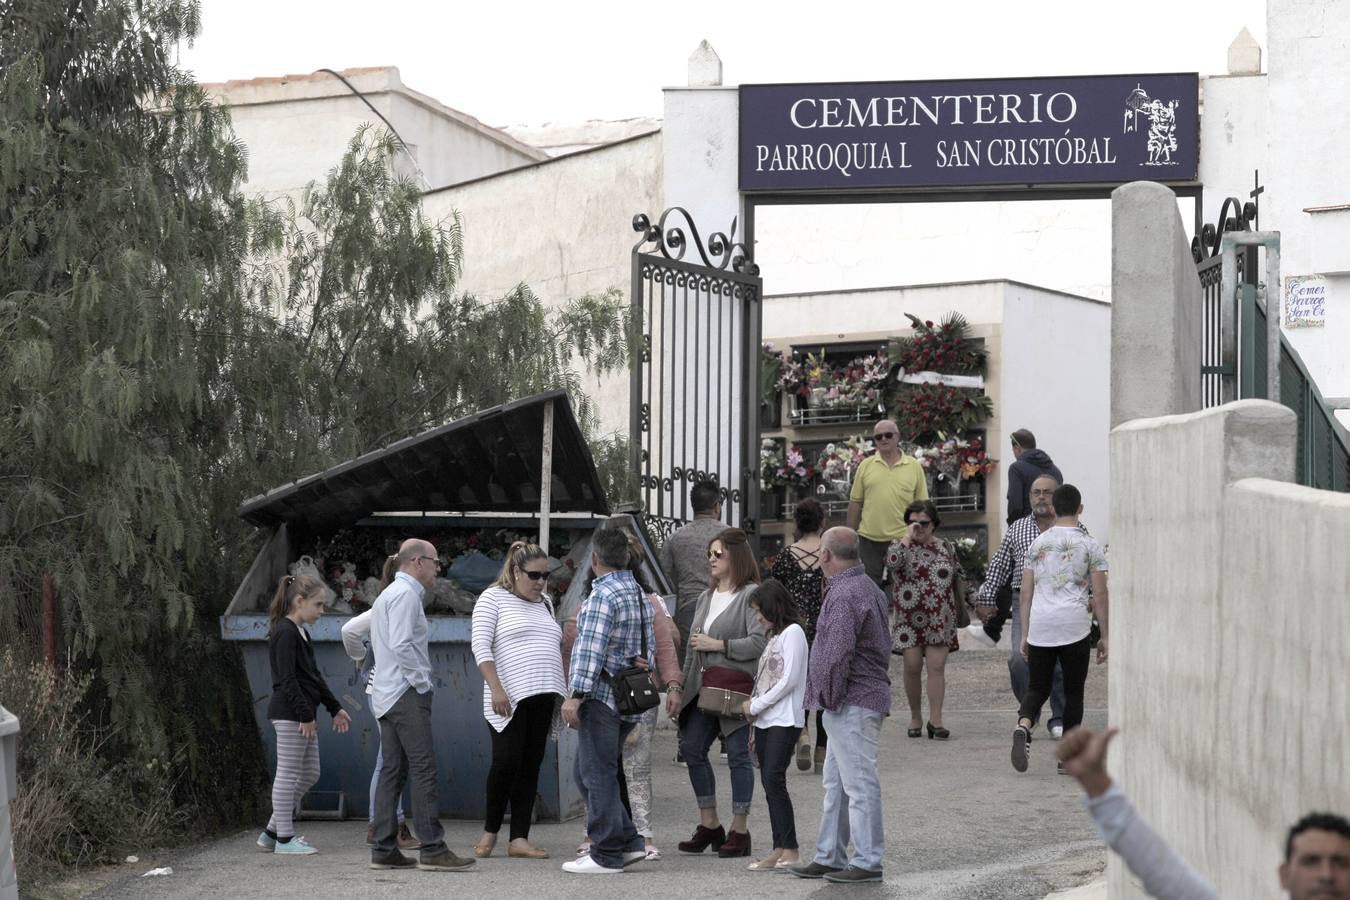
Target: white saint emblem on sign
[(1162, 125)]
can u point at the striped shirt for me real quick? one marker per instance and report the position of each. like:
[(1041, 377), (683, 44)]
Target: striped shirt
[(609, 635), (1005, 569), (523, 640)]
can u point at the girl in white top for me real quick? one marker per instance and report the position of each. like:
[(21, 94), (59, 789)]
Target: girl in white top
[(777, 709), (517, 644)]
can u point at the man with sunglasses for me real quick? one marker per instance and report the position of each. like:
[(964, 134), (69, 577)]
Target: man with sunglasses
[(885, 484), (401, 692)]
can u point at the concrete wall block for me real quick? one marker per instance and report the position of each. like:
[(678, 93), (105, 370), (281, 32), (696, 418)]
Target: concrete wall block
[(1283, 748), (1227, 638), (1155, 296)]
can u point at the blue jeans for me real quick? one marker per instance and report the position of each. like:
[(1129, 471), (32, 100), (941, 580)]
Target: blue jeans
[(700, 730), (1020, 674), (852, 807), (599, 745)]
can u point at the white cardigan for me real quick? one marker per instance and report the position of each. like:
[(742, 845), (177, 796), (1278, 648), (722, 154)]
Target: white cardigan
[(780, 685)]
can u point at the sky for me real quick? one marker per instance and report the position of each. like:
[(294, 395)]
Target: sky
[(530, 63)]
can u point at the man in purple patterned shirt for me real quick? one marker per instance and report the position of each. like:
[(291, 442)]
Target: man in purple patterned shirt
[(848, 677)]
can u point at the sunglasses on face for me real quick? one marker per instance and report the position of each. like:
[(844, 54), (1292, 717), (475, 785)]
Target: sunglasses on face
[(922, 523), (534, 576), (884, 435), (716, 554)]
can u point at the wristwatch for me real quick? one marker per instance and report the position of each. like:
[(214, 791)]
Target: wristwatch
[(674, 686), (578, 695)]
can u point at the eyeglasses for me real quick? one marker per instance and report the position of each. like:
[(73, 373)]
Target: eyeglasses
[(885, 435), (534, 576), (922, 523), (716, 554), (431, 558)]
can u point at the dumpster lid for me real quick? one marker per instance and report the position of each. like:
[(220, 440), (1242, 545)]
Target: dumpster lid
[(488, 462)]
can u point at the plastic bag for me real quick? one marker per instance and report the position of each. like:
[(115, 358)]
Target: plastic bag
[(474, 571)]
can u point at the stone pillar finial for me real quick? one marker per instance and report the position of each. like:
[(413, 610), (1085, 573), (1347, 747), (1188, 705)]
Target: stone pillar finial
[(1244, 55), (705, 66)]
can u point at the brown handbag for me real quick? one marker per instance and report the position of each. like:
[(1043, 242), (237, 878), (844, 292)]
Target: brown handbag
[(724, 690)]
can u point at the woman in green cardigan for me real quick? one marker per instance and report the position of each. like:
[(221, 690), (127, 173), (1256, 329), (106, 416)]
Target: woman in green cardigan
[(725, 632)]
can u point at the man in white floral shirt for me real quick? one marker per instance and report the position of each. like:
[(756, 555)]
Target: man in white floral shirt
[(1063, 583)]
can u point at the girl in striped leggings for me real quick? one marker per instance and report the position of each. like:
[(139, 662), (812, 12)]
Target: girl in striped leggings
[(297, 690)]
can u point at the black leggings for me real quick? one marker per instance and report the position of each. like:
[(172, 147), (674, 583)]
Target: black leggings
[(820, 729), (517, 753), (1073, 659)]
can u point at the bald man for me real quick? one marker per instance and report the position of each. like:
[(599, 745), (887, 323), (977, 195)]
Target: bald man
[(400, 698), (883, 486)]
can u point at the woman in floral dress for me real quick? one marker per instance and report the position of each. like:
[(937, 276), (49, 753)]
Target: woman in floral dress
[(924, 572)]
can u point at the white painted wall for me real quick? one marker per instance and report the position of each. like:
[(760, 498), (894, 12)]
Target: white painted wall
[(297, 127), (564, 228), (1309, 118), (701, 129), (1056, 364), (1229, 643)]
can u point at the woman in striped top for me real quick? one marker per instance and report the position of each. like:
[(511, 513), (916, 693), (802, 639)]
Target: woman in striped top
[(517, 644)]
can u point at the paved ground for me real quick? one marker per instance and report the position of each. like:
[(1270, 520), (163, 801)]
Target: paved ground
[(959, 823)]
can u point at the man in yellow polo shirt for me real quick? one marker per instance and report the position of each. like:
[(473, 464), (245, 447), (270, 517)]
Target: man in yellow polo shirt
[(883, 486)]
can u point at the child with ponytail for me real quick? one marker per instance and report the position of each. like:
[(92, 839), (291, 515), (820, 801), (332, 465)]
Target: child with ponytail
[(297, 691)]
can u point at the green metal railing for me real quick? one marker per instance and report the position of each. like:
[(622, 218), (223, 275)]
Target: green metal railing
[(1323, 455)]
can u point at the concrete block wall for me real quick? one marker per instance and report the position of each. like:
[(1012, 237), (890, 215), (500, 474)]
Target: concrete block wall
[(1230, 640)]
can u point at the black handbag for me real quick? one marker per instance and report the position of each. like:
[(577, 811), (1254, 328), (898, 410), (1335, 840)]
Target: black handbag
[(634, 690)]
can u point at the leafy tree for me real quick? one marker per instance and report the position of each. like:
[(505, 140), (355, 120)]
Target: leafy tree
[(169, 347)]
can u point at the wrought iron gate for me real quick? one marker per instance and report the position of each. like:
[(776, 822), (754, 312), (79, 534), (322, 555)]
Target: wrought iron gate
[(1221, 316), (695, 381)]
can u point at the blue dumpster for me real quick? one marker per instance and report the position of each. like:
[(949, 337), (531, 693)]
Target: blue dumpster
[(480, 472)]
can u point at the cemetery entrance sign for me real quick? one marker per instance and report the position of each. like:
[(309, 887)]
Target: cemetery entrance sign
[(878, 136)]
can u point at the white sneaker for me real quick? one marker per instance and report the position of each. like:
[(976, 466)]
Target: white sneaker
[(587, 866), (975, 632), (1057, 731)]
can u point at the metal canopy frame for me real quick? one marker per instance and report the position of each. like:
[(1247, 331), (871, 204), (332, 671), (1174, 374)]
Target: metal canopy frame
[(528, 456)]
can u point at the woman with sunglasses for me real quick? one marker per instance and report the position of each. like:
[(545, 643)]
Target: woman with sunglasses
[(925, 583), (726, 633), (517, 644)]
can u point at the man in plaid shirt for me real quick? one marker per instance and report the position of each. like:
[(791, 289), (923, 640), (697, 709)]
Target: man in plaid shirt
[(1005, 569), (610, 629)]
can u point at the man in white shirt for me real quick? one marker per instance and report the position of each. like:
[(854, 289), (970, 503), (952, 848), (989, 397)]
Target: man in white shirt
[(1063, 577), (400, 697)]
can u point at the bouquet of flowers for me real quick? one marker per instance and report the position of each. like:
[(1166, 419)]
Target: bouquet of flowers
[(839, 461), (955, 459), (927, 409), (947, 347), (856, 383), (971, 558), (771, 464), (795, 471)]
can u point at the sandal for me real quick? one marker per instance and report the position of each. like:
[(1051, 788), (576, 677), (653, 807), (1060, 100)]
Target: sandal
[(768, 864), (483, 851)]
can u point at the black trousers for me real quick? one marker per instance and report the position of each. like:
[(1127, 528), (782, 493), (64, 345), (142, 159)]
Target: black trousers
[(821, 737), (517, 754), (774, 747), (1073, 660)]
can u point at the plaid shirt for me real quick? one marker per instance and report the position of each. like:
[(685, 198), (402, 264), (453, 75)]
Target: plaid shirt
[(609, 635), (1006, 566)]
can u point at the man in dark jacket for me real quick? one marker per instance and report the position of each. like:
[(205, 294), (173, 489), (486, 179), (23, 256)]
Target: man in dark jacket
[(1029, 464)]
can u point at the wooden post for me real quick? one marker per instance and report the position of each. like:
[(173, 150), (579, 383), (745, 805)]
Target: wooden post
[(546, 477), (49, 621)]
